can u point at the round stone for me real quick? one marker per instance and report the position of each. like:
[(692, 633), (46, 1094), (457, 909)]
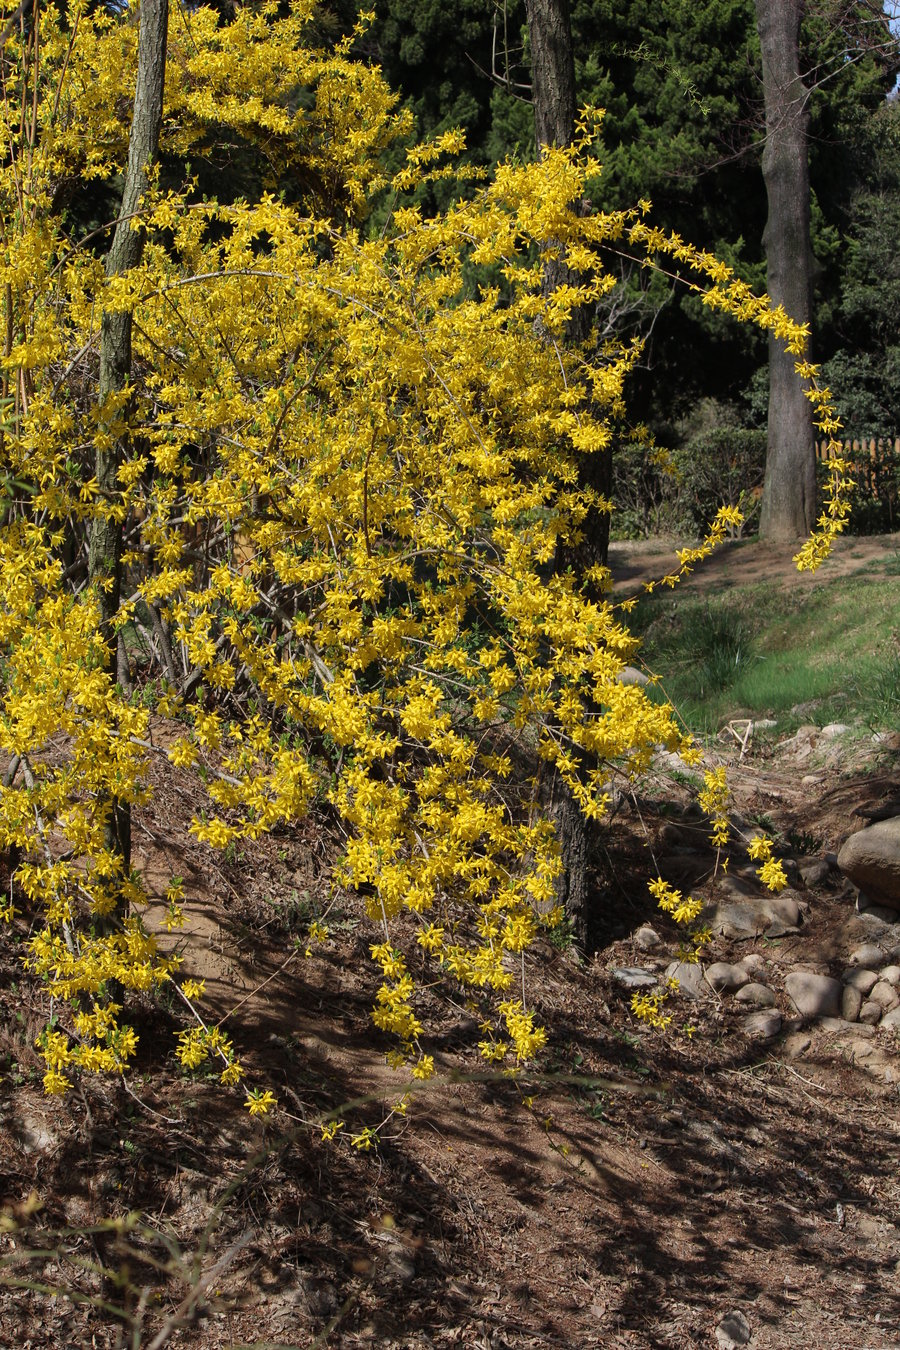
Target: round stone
[(869, 954), (814, 995), (885, 995), (860, 979), (762, 1025), (851, 1002), (632, 977), (756, 995), (725, 978)]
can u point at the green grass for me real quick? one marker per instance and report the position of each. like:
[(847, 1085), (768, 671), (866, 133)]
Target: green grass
[(760, 651)]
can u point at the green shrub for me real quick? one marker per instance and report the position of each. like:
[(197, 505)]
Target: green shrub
[(717, 466)]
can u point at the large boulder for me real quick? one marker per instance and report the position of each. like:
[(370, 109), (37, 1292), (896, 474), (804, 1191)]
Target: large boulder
[(871, 859)]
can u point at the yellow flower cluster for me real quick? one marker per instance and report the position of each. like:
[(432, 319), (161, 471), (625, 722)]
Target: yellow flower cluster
[(648, 1008), (670, 901), (715, 799), (351, 464), (771, 872)]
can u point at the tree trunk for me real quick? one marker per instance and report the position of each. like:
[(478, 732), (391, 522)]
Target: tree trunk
[(789, 493), (553, 97), (552, 71), (105, 549)]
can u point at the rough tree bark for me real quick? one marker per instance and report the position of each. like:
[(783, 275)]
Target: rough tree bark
[(553, 97), (789, 492), (105, 548), (552, 71)]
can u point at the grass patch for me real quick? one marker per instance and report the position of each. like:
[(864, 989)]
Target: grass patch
[(770, 651)]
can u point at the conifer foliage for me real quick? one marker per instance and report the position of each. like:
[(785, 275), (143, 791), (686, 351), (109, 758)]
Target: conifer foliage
[(343, 467)]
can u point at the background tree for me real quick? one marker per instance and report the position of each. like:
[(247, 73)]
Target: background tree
[(685, 127), (789, 494), (552, 71)]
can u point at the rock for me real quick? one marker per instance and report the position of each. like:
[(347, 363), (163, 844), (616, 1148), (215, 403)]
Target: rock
[(684, 868), (725, 978), (733, 1331), (870, 1056), (817, 956), (887, 740), (891, 1020), (871, 1013), (813, 995), (871, 859), (881, 810), (762, 1025), (791, 869), (890, 974), (669, 761), (752, 963), (857, 1032), (632, 977), (671, 836), (630, 675), (740, 888), (35, 1136), (869, 954), (878, 913), (785, 911), (765, 724), (646, 939), (689, 975), (756, 996), (885, 995), (833, 730), (851, 1002), (751, 915), (860, 979), (810, 780), (843, 1027), (815, 872)]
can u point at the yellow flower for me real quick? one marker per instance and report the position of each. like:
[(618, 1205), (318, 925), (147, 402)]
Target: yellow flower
[(56, 1083), (260, 1103), (772, 875), (760, 848)]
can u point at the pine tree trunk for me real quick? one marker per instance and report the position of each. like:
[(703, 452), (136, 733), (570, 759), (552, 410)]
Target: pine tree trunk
[(105, 547), (789, 492)]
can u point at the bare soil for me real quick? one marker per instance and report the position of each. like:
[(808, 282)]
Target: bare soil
[(751, 562), (631, 1193)]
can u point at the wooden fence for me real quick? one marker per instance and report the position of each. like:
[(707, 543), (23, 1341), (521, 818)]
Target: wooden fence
[(875, 468), (858, 451)]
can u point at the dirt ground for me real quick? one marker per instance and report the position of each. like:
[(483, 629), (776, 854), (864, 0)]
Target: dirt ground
[(749, 562), (634, 1192)]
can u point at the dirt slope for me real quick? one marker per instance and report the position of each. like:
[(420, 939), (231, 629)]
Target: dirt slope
[(634, 1193)]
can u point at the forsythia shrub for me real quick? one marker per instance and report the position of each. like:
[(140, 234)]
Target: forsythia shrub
[(351, 462)]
